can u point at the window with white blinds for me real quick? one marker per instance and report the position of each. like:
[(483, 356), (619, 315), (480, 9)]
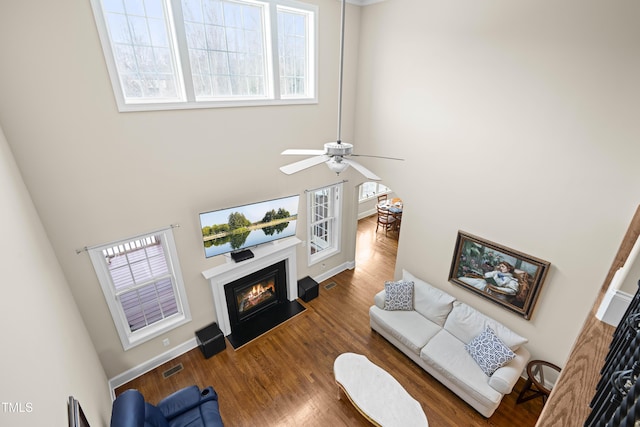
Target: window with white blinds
[(141, 282), (324, 207)]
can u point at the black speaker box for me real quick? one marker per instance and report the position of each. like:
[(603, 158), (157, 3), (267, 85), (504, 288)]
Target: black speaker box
[(307, 289), (210, 340)]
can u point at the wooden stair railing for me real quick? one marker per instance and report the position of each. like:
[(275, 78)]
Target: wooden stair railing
[(569, 402)]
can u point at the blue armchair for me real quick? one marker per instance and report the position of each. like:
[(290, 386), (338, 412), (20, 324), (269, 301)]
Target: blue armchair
[(188, 407)]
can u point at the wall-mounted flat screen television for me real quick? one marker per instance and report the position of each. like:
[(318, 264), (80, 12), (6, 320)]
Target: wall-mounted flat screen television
[(235, 230)]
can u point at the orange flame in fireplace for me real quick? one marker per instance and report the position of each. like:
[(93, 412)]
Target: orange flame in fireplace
[(258, 290), (258, 293)]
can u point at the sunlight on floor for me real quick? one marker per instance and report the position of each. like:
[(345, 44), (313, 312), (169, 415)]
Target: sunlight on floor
[(372, 247)]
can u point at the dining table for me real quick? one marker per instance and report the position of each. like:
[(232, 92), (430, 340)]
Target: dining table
[(394, 207)]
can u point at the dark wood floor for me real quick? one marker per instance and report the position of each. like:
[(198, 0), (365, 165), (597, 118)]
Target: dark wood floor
[(285, 377)]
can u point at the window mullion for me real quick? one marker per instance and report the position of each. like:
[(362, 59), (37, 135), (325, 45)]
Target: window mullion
[(273, 69), (183, 50)]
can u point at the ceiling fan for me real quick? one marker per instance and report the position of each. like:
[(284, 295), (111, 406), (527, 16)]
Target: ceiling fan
[(335, 153)]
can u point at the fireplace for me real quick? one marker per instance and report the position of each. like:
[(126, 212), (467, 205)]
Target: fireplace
[(240, 328), (251, 295)]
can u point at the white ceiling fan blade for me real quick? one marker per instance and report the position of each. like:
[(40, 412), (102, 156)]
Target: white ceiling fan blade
[(377, 157), (364, 171), (303, 164), (302, 152)]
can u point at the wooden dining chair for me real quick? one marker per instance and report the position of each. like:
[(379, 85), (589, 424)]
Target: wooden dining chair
[(398, 220), (385, 219), (382, 198)]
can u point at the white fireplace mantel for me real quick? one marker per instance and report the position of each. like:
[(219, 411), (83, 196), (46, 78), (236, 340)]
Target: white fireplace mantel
[(264, 256)]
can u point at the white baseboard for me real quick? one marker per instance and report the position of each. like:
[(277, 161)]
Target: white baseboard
[(149, 365), (350, 265), (367, 213)]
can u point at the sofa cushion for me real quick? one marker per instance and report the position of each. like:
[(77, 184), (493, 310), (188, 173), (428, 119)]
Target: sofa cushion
[(378, 299), (465, 323), (505, 378), (409, 327), (398, 295), (489, 352), (446, 354), (429, 301)]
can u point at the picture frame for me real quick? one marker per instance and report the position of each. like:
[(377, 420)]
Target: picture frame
[(502, 275)]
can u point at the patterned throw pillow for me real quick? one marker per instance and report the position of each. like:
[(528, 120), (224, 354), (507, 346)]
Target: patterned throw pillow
[(398, 295), (489, 352)]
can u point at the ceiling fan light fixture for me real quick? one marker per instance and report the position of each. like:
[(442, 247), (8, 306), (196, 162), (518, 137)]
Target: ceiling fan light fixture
[(338, 148), (337, 166)]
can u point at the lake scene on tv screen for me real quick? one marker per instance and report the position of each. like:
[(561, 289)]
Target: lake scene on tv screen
[(246, 226)]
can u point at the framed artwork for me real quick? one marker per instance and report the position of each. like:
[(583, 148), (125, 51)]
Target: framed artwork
[(504, 276)]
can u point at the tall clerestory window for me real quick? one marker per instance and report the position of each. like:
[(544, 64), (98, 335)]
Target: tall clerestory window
[(170, 54), (324, 207), (142, 284)]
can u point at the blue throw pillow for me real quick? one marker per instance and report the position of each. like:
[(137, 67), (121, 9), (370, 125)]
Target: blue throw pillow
[(489, 352)]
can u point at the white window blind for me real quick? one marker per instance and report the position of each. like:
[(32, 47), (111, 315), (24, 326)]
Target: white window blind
[(142, 281)]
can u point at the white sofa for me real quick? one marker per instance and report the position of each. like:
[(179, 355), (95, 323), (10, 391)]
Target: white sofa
[(434, 333)]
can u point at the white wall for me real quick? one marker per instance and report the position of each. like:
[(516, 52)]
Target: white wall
[(47, 354), (519, 123), (97, 175)]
